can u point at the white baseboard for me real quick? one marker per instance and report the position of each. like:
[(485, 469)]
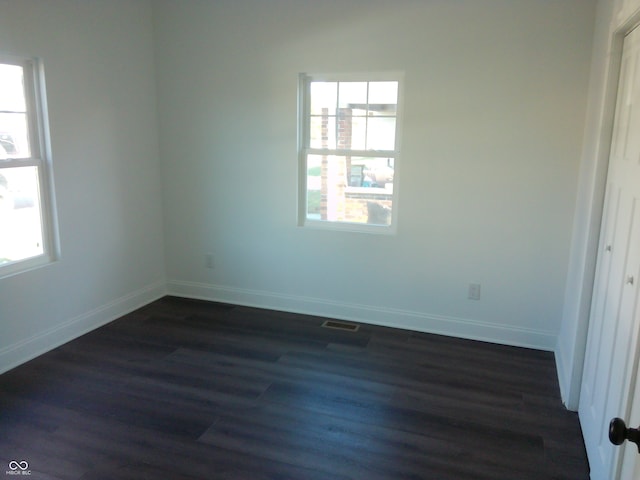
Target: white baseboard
[(13, 355), (388, 317)]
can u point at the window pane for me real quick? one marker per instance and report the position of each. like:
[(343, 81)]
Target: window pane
[(322, 132), (383, 93), (383, 99), (352, 131), (332, 183), (12, 96), (324, 96), (14, 136), (353, 95), (376, 172), (314, 184), (20, 216), (381, 133), (382, 109), (349, 189)]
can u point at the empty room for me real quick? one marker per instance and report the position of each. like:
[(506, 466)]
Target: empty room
[(319, 239)]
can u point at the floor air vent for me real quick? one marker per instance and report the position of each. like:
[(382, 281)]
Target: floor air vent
[(347, 327)]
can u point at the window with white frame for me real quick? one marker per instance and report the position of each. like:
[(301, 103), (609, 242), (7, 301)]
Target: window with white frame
[(26, 238), (348, 148)]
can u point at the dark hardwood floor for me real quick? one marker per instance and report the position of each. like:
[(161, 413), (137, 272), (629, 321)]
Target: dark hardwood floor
[(185, 389)]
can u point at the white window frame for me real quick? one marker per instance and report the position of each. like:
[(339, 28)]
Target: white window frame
[(304, 149), (40, 157)]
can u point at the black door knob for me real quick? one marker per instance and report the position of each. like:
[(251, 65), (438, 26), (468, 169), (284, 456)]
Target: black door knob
[(618, 433)]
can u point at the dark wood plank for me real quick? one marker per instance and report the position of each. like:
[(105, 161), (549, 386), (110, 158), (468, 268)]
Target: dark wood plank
[(186, 389)]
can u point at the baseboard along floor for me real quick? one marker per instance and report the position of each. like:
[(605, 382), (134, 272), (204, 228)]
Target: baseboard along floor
[(192, 389)]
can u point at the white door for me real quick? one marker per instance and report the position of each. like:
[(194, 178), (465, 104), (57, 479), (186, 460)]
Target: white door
[(608, 384), (630, 456)]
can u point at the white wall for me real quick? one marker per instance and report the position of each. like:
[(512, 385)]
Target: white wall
[(494, 118), (98, 59), (495, 108)]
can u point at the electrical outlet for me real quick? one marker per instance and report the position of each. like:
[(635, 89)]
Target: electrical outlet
[(208, 260), (474, 291)]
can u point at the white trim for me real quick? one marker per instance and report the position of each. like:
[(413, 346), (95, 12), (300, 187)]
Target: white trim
[(16, 267), (20, 352), (375, 76), (336, 152), (384, 316), (20, 162), (352, 227)]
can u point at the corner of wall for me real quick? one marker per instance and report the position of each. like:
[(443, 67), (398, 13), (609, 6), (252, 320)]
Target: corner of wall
[(21, 352)]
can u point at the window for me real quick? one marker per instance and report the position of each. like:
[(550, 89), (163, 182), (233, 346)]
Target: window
[(348, 148), (26, 238)]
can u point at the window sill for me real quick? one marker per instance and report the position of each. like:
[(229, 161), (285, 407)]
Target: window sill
[(374, 229), (22, 266)]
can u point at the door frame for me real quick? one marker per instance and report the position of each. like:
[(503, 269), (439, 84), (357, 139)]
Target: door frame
[(588, 215)]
